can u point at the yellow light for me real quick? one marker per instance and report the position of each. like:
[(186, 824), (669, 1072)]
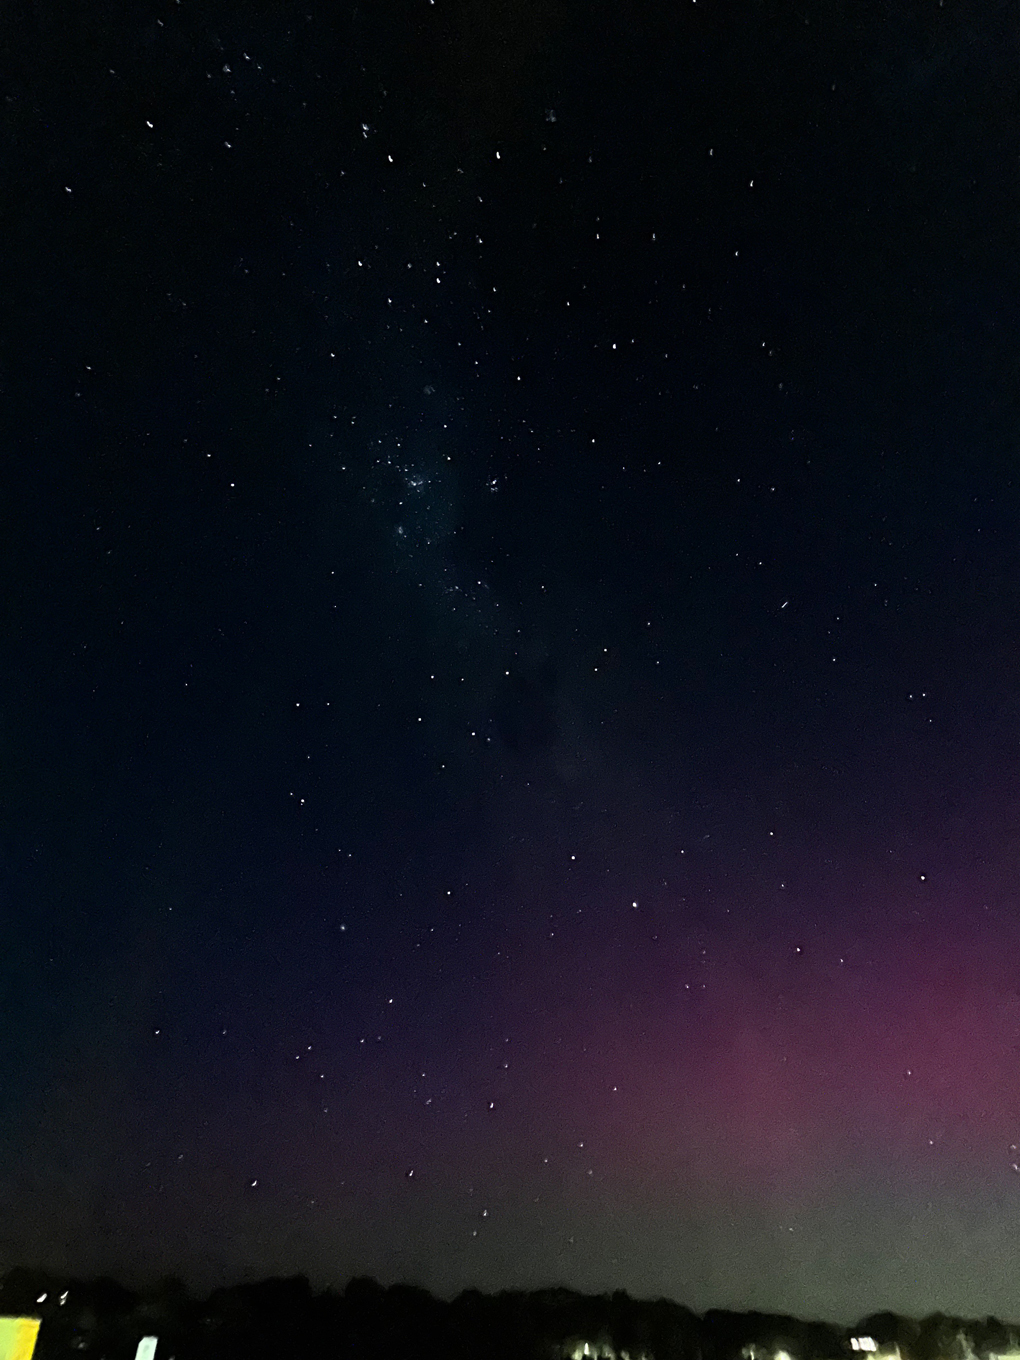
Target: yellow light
[(17, 1337)]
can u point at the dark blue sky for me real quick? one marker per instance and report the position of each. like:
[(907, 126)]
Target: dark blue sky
[(510, 585)]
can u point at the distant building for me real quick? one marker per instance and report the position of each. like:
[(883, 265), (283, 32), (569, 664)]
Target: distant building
[(602, 1349), (869, 1346)]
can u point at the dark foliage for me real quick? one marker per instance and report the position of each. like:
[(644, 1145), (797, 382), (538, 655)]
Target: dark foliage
[(368, 1321)]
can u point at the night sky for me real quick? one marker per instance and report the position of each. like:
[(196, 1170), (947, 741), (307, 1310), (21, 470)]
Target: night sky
[(510, 597)]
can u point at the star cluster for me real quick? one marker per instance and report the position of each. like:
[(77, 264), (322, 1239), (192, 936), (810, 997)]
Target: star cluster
[(509, 725)]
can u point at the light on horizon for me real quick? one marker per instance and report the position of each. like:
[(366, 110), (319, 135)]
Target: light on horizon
[(18, 1337)]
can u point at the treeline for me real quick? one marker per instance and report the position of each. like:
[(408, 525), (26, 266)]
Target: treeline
[(365, 1321)]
